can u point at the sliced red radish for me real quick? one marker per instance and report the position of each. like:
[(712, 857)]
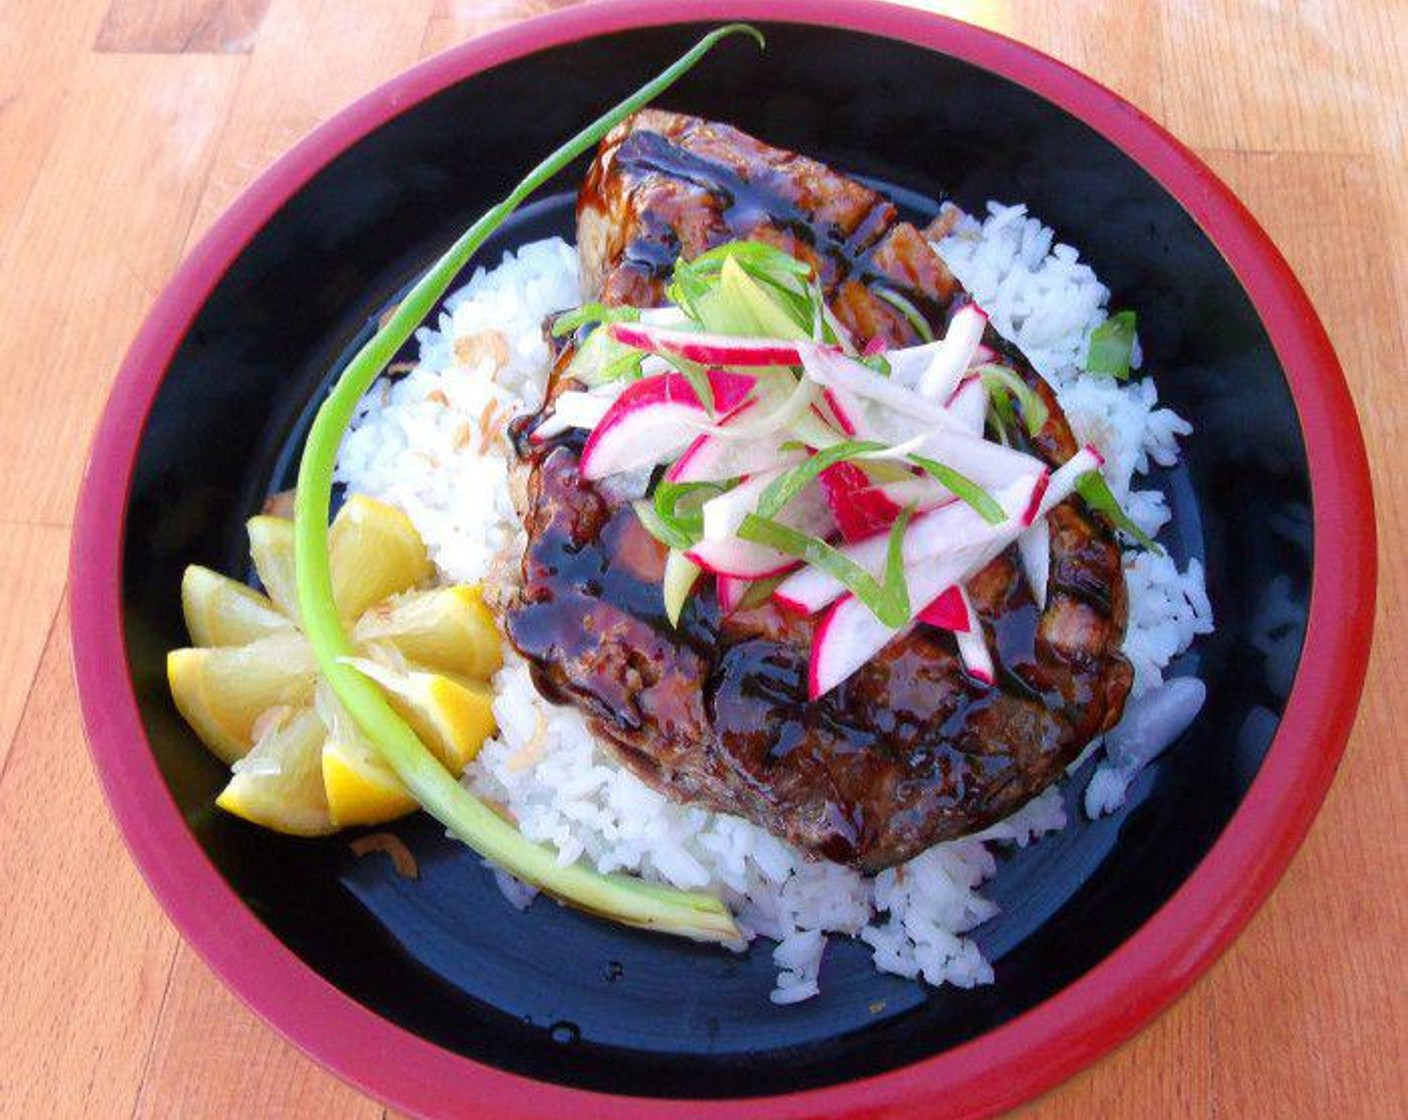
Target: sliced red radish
[(725, 513), (953, 529), (1034, 549), (947, 612), (922, 492), (969, 406), (844, 640), (711, 458), (740, 559), (954, 354), (730, 592), (706, 349), (861, 509), (839, 411), (973, 644), (654, 418)]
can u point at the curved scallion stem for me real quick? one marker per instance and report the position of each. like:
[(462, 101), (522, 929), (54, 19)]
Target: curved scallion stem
[(619, 897)]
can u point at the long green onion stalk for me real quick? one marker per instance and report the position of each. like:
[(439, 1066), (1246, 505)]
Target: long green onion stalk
[(619, 897)]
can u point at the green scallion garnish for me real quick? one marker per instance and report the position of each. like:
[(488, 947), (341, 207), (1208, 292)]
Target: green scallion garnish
[(963, 488), (623, 898), (1112, 346), (1098, 495)]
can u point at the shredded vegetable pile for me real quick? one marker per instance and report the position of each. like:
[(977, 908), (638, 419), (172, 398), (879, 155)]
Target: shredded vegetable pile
[(787, 461)]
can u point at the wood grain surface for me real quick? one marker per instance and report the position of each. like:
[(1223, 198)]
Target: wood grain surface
[(126, 126)]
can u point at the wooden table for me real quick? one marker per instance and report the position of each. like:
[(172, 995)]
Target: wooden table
[(126, 126)]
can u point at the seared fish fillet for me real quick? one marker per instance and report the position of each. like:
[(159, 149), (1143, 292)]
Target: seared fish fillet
[(909, 751)]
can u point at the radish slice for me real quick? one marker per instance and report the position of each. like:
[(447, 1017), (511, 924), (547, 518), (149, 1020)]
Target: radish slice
[(573, 409), (740, 559), (724, 514), (947, 612), (706, 349), (952, 530), (730, 592), (973, 644), (711, 458), (860, 508), (1034, 549), (954, 354), (654, 418), (844, 641), (848, 379), (924, 493), (969, 406)]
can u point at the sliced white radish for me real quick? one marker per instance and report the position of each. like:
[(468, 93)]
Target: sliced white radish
[(654, 418), (954, 354), (783, 400), (948, 612), (849, 379), (844, 640), (732, 556), (973, 644), (1034, 549), (969, 406), (730, 592), (706, 349), (573, 409)]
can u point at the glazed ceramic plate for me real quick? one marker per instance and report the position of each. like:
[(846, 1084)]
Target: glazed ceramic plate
[(435, 994)]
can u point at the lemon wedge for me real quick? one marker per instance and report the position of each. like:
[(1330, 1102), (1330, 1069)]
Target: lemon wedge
[(224, 612), (222, 691), (445, 628), (360, 788), (271, 549), (374, 552), (452, 716), (279, 783)]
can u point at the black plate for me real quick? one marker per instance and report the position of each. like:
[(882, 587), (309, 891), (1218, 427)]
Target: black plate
[(570, 999)]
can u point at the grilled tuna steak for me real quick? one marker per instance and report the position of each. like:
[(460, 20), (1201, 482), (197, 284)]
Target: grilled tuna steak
[(910, 750)]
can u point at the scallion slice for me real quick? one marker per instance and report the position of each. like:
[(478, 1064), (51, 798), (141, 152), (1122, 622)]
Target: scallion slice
[(787, 486), (906, 308), (887, 598), (1112, 346), (963, 488), (1098, 495), (999, 380)]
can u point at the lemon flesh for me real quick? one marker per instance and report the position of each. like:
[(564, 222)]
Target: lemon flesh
[(222, 691), (374, 552), (224, 612), (451, 715), (279, 784), (271, 549), (360, 788), (447, 628)]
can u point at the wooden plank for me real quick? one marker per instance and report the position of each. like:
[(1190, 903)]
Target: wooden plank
[(84, 950), (111, 208), (359, 46), (39, 46), (32, 564), (213, 1058), (181, 26)]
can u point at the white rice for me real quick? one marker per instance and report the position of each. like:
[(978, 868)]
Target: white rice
[(417, 443)]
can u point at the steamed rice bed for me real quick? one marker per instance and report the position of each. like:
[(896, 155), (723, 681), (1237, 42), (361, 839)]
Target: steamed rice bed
[(432, 443)]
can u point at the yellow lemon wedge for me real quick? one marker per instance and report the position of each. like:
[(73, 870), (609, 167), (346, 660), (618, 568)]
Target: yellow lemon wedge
[(446, 628), (374, 552), (452, 716), (279, 783), (271, 548), (224, 612), (360, 787), (223, 691)]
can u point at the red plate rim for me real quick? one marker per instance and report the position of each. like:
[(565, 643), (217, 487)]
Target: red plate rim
[(992, 1072)]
